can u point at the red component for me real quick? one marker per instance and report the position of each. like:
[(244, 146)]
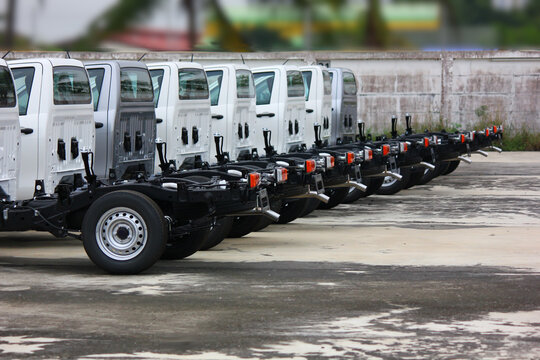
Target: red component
[(254, 179), (462, 138), (426, 142), (487, 132), (350, 157), (494, 129), (310, 166), (332, 161), (385, 150), (284, 174)]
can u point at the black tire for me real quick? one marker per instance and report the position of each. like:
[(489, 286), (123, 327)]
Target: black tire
[(354, 195), (291, 210), (337, 195), (242, 225), (186, 245), (428, 175), (119, 216), (311, 206), (414, 178), (219, 232), (452, 166), (393, 186), (441, 169)]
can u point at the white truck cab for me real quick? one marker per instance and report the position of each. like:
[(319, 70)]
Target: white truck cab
[(10, 135), (280, 107), (318, 85), (182, 104), (232, 100), (125, 118), (344, 106), (57, 122)]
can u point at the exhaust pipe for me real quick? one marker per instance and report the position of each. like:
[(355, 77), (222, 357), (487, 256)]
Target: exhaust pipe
[(391, 174), (465, 159), (483, 153), (349, 184), (497, 149), (427, 165), (313, 195)]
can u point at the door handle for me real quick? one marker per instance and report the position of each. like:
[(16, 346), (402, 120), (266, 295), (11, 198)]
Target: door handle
[(159, 121), (218, 117), (26, 131), (309, 111), (266, 114), (99, 125)]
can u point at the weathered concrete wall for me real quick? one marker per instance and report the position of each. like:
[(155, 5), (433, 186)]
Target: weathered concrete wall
[(455, 87)]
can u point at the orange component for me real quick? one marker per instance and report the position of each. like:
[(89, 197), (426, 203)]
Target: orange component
[(487, 132), (284, 174), (310, 166), (462, 138), (494, 129), (385, 150), (254, 179), (332, 161), (426, 142), (404, 147), (350, 157)]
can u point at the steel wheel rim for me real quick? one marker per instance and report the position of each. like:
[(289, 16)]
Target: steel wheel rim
[(121, 233), (389, 180)]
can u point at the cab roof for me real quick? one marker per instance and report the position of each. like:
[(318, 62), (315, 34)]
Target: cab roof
[(177, 64), (276, 67), (227, 66), (119, 63), (49, 61)]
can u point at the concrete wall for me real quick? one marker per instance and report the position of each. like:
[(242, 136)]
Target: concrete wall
[(457, 87)]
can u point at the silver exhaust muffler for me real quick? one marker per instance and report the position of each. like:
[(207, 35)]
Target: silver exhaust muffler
[(481, 152), (427, 165), (497, 149), (465, 159)]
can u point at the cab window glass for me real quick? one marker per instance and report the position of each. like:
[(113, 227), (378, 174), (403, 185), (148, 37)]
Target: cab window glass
[(7, 90), (295, 84), (193, 84), (23, 86), (215, 78), (71, 86), (349, 84), (327, 82), (307, 82), (264, 82), (244, 84), (157, 80), (136, 85), (96, 82)]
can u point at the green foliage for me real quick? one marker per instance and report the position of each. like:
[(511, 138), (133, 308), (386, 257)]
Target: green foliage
[(521, 140)]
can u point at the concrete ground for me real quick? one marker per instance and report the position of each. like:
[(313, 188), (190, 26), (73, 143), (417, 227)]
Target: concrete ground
[(446, 270)]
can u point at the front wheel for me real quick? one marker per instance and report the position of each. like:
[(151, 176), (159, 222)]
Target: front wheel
[(452, 166), (391, 186), (124, 232)]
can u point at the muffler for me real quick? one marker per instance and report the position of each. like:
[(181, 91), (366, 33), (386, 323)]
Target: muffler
[(481, 152), (497, 149), (313, 195), (427, 165), (465, 159), (353, 184)]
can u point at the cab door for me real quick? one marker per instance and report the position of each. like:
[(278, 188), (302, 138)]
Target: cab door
[(219, 103), (312, 106), (243, 114), (161, 84), (28, 78), (267, 107), (100, 82), (295, 111)]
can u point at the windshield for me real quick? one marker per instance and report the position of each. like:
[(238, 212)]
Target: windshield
[(135, 85), (157, 80), (214, 83), (307, 82), (349, 84), (71, 86), (327, 82), (264, 82), (244, 84), (7, 90), (96, 81), (192, 84), (295, 84)]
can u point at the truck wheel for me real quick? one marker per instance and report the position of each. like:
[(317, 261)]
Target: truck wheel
[(242, 225), (124, 232), (337, 195), (220, 230), (185, 245), (414, 178), (291, 210), (391, 186), (311, 206), (452, 166)]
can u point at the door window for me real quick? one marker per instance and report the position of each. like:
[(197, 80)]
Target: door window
[(307, 82), (96, 82), (349, 84), (157, 81), (215, 78), (264, 82), (23, 85), (327, 78)]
